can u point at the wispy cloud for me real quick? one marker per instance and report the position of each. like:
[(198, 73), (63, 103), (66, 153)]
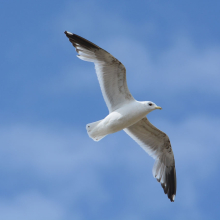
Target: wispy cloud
[(74, 169), (30, 206), (181, 66)]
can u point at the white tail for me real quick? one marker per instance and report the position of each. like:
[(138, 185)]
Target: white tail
[(91, 131)]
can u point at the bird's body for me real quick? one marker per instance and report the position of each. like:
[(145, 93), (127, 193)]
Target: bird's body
[(121, 118), (125, 113)]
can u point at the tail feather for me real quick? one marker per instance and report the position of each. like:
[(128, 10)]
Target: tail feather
[(92, 132)]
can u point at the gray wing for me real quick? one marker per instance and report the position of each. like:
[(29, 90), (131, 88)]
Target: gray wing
[(110, 72), (157, 144)]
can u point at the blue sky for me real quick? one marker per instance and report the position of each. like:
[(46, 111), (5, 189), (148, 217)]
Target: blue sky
[(50, 169)]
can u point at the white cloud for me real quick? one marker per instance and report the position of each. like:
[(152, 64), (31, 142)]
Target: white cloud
[(75, 170), (181, 66), (178, 68), (30, 206)]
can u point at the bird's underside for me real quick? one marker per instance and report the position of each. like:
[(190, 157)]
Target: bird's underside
[(111, 74)]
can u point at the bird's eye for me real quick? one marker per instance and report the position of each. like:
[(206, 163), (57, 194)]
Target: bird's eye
[(150, 104)]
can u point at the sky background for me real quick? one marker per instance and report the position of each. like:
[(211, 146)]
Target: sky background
[(49, 168)]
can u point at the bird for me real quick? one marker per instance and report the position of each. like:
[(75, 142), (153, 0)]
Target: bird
[(126, 113)]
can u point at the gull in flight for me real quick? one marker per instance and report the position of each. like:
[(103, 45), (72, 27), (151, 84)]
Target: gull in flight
[(126, 113)]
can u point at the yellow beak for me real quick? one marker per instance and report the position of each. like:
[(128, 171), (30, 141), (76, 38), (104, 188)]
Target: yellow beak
[(158, 107)]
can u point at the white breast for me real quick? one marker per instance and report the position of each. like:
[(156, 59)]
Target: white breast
[(123, 117)]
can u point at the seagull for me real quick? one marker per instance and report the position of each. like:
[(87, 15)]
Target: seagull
[(126, 113)]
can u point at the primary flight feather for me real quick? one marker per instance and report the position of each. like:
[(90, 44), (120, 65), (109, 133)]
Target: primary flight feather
[(126, 113)]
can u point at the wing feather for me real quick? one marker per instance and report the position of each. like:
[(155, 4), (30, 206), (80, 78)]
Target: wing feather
[(111, 73), (157, 144)]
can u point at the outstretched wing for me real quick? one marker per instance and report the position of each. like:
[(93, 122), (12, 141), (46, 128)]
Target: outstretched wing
[(111, 73), (157, 144)]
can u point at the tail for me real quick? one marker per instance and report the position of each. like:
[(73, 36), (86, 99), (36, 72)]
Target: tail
[(92, 131)]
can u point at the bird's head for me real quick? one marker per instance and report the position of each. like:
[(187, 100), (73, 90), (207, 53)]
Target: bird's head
[(150, 106)]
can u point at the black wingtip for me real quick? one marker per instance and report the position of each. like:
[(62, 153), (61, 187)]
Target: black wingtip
[(68, 34), (170, 186), (76, 39)]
